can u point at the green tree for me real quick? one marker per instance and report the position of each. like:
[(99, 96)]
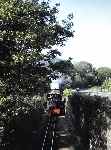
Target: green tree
[(29, 33), (84, 76), (107, 84), (65, 70), (103, 73), (65, 67), (27, 29)]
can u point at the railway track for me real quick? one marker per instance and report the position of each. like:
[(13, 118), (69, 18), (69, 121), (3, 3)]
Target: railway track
[(49, 136), (57, 134)]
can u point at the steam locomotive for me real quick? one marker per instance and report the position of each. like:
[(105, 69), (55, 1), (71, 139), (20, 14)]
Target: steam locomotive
[(56, 106)]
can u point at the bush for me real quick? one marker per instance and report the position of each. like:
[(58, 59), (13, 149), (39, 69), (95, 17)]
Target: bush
[(90, 120), (23, 124)]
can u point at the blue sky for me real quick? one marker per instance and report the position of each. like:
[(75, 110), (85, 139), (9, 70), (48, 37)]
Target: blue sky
[(92, 25)]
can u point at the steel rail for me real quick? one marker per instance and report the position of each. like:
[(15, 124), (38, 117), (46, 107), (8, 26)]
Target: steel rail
[(48, 140)]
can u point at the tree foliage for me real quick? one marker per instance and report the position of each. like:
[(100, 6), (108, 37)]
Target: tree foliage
[(103, 73), (65, 67), (85, 75), (65, 70), (107, 84), (29, 33), (90, 119), (27, 29)]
